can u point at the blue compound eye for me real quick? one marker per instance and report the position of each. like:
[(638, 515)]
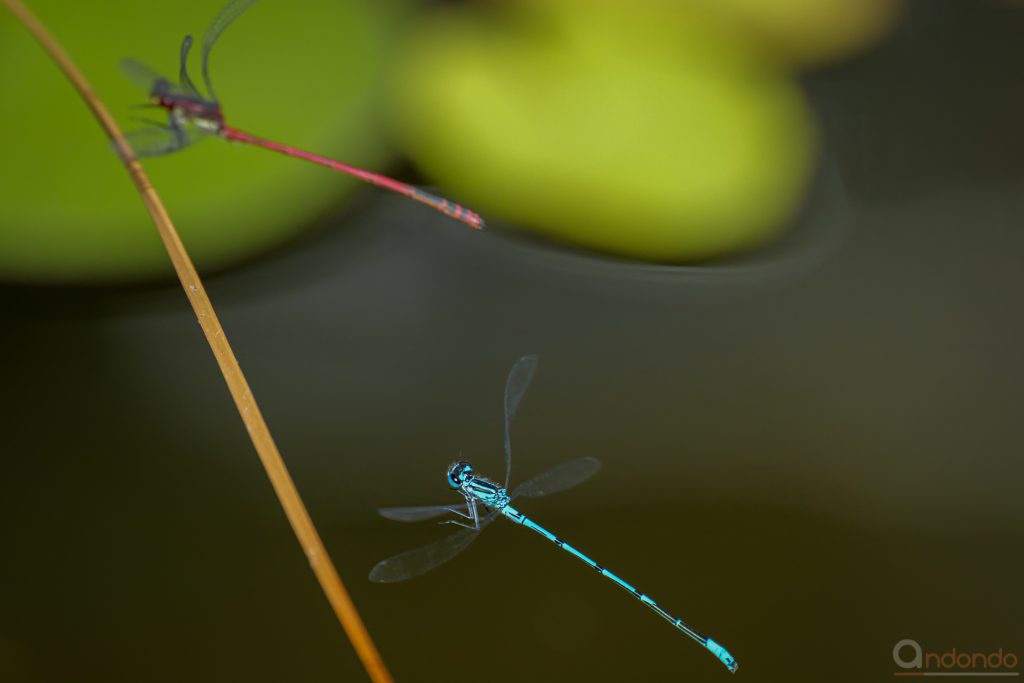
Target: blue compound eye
[(458, 473)]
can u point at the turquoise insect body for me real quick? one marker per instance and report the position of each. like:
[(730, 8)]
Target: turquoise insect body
[(495, 498)]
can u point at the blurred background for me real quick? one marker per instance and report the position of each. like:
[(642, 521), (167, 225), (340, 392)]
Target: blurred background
[(768, 254)]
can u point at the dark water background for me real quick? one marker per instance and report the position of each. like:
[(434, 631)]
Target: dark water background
[(808, 458)]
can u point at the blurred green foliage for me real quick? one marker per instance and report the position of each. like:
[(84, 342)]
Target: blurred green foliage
[(308, 76), (667, 131), (809, 32), (647, 129)]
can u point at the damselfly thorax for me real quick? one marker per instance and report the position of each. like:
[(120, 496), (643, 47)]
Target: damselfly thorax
[(477, 489), (191, 109)]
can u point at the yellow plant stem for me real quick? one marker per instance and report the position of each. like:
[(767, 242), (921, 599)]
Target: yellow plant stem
[(282, 482)]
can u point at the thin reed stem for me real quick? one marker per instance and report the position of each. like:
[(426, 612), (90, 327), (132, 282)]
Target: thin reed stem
[(282, 482)]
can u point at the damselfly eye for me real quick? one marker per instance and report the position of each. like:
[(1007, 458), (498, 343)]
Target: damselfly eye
[(459, 473)]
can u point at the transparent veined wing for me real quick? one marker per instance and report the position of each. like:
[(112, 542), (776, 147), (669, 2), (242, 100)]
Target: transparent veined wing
[(154, 141), (558, 478), (518, 382), (224, 18), (145, 78), (183, 78), (421, 560), (421, 512)]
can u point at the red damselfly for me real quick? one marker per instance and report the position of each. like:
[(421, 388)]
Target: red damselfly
[(192, 116)]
